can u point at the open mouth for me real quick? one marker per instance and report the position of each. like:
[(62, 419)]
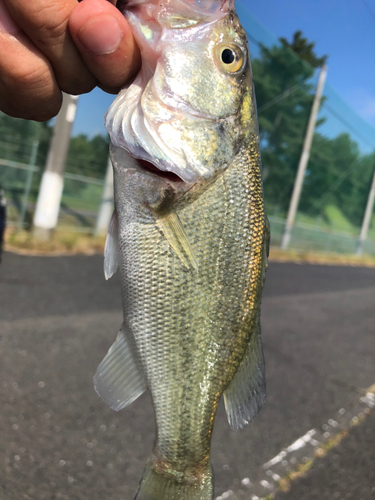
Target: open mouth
[(149, 167)]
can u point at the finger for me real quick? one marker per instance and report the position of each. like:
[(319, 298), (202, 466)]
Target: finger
[(28, 88), (105, 42), (46, 24)]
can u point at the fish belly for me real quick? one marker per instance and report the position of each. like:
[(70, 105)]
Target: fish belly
[(191, 328)]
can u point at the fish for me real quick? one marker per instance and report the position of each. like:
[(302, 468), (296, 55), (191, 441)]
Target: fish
[(190, 237)]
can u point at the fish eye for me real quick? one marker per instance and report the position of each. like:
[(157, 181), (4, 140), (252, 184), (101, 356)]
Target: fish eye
[(231, 58), (228, 56)]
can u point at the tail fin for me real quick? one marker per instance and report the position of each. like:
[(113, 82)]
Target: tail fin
[(158, 486)]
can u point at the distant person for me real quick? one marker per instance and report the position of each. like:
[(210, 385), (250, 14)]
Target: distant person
[(70, 47), (2, 219)]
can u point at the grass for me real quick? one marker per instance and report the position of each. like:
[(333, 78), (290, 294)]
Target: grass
[(329, 258), (331, 219), (86, 198), (61, 243), (69, 242), (338, 220), (286, 482)]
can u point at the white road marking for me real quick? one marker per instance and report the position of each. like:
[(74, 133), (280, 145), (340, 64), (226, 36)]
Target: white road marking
[(300, 443), (369, 399), (275, 460), (266, 484), (333, 423), (344, 419)]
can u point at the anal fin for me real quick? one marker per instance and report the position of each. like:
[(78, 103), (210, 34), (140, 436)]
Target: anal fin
[(245, 395), (119, 379)]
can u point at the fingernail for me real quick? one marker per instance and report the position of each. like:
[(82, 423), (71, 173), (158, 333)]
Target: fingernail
[(101, 35), (7, 24)]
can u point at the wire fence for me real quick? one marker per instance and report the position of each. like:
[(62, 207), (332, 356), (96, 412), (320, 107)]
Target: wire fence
[(342, 158), (337, 181), (81, 196)]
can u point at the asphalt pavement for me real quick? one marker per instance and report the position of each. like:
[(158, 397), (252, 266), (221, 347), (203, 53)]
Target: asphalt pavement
[(58, 440)]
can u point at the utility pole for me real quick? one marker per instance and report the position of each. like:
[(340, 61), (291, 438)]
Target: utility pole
[(29, 180), (367, 217), (106, 205), (304, 159), (51, 187)]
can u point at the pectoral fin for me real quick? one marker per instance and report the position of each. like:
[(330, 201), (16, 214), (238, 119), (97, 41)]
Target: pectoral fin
[(111, 250), (118, 379), (172, 228), (245, 395)]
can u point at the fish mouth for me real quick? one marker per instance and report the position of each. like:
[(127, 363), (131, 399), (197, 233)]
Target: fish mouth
[(151, 168)]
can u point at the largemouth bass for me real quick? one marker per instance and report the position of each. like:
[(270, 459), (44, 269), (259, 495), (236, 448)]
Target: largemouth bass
[(190, 237)]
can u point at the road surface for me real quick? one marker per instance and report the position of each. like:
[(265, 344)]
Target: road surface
[(58, 440)]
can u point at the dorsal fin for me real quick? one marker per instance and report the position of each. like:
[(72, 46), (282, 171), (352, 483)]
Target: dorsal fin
[(111, 249)]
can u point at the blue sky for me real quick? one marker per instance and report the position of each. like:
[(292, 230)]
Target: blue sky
[(343, 29)]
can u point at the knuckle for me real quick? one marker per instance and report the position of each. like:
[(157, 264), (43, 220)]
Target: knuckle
[(77, 84), (45, 111), (49, 32), (34, 79), (39, 115), (51, 17)]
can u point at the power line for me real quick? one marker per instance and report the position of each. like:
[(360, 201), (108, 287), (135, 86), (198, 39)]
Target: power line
[(289, 91), (347, 124), (316, 205), (253, 39), (280, 97)]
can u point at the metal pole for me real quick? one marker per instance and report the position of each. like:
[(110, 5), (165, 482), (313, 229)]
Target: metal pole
[(29, 179), (51, 187), (304, 159), (367, 217), (106, 205)]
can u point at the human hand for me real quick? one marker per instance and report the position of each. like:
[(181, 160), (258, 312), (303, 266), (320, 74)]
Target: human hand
[(49, 46)]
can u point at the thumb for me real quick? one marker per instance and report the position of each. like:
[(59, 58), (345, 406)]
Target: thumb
[(105, 42)]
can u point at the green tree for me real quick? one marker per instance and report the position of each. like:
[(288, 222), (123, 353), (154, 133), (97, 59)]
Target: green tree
[(88, 157), (332, 163), (353, 195), (17, 136), (16, 143), (285, 91), (337, 175), (304, 49)]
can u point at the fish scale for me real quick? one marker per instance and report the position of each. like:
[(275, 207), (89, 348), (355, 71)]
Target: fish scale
[(191, 309), (190, 237)]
